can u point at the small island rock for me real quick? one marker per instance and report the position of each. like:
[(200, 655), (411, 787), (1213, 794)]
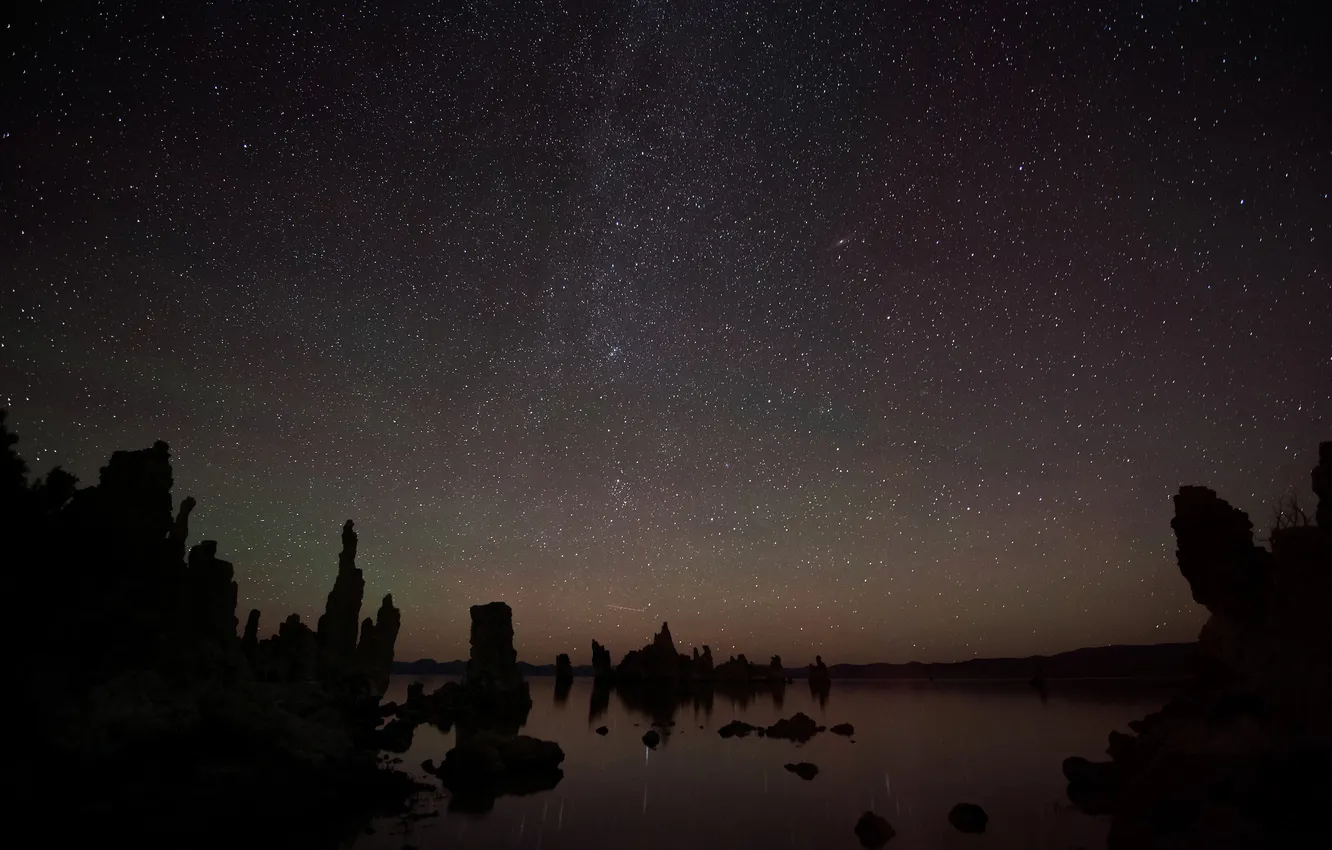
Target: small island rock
[(736, 729), (799, 727), (804, 770), (873, 831), (968, 817)]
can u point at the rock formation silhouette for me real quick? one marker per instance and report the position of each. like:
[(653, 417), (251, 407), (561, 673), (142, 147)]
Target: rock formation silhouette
[(1322, 486), (563, 677), (374, 651), (603, 669), (820, 683), (139, 684), (1244, 757), (818, 672)]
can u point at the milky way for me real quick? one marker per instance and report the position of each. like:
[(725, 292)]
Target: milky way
[(882, 333)]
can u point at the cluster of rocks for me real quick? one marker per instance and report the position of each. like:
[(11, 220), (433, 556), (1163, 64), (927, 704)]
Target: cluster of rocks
[(660, 661), (141, 686), (799, 727), (874, 831), (1244, 757), (344, 652)]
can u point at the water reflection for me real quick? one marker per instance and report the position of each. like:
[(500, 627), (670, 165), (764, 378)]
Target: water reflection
[(919, 749)]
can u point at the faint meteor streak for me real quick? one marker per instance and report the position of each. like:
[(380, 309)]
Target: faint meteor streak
[(625, 608)]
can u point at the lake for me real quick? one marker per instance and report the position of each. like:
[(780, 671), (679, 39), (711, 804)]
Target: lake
[(918, 749)]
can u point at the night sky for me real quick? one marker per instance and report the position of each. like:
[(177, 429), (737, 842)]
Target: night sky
[(884, 331)]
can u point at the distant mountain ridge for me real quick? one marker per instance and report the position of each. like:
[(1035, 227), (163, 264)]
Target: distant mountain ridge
[(1117, 661)]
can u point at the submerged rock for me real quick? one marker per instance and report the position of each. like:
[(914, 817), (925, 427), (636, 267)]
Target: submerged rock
[(799, 727), (486, 765), (844, 729), (803, 769), (651, 738), (873, 831), (968, 817), (603, 731), (737, 729)]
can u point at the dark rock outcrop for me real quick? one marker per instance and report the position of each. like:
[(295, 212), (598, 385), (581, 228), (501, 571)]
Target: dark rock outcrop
[(141, 687), (873, 831), (651, 738), (563, 668), (844, 729), (803, 769), (968, 817), (603, 731), (1243, 757)]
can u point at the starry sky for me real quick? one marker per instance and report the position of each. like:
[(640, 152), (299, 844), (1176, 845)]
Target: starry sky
[(880, 330)]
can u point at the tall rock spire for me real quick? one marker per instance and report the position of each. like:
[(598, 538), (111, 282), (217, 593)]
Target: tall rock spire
[(338, 626)]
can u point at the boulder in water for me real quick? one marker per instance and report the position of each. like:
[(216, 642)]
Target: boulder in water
[(873, 831), (803, 769), (737, 729), (799, 727), (968, 817)]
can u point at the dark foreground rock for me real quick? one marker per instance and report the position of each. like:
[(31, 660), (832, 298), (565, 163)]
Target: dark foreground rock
[(651, 738), (843, 729), (487, 765), (803, 769), (968, 817), (873, 831), (1243, 758), (799, 727), (602, 730), (134, 679)]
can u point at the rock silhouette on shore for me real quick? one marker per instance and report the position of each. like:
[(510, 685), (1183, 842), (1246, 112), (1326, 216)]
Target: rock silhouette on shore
[(1244, 757)]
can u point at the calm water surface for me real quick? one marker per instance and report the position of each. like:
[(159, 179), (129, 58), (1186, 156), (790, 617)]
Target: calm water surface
[(919, 748)]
